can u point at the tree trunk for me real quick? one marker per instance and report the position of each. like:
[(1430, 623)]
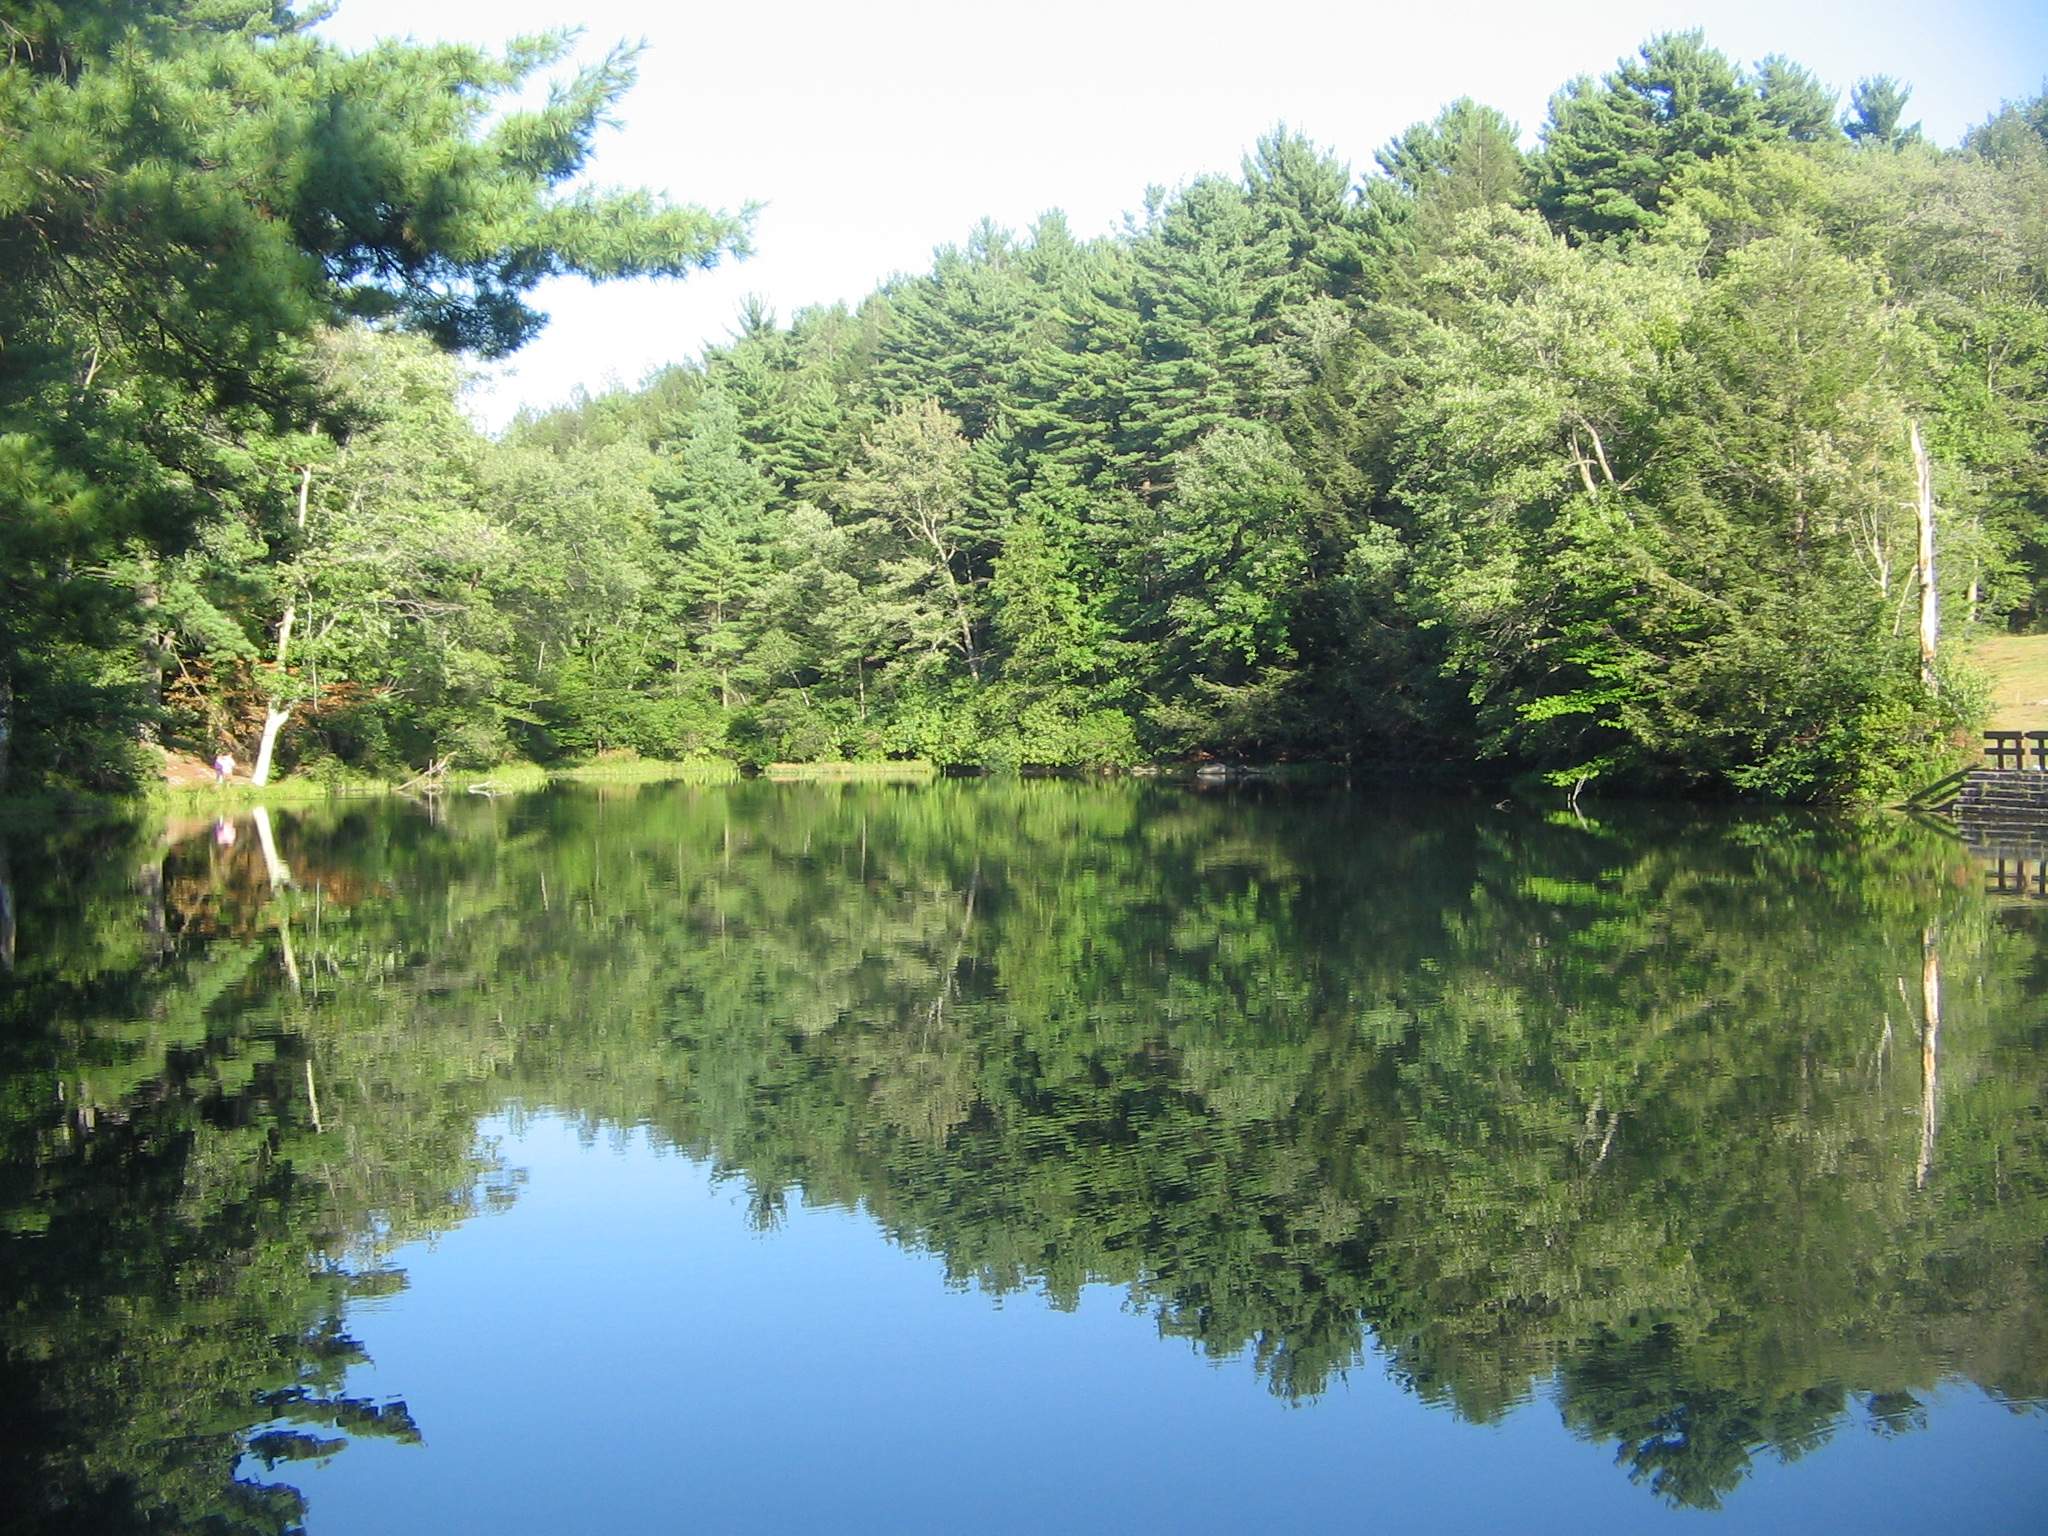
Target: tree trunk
[(277, 711), (273, 722), (934, 536), (1930, 599), (960, 614), (6, 721), (148, 597)]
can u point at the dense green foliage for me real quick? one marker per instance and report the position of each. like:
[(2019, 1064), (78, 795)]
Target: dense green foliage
[(200, 203), (1645, 1116), (1593, 460)]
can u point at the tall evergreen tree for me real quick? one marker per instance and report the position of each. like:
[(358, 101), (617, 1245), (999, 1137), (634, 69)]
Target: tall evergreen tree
[(1795, 101), (715, 524), (1876, 115), (1613, 145)]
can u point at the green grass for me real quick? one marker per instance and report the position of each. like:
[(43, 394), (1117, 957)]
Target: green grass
[(2017, 668), (649, 770), (505, 779), (288, 791), (909, 768)]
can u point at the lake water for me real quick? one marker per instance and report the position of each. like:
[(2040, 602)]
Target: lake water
[(1019, 1156)]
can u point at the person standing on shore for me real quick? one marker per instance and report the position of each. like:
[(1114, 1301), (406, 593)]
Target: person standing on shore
[(223, 768)]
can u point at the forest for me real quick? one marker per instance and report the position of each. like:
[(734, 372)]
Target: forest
[(1685, 450)]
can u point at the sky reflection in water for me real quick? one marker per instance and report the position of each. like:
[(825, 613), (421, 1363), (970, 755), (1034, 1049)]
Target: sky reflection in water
[(620, 1348)]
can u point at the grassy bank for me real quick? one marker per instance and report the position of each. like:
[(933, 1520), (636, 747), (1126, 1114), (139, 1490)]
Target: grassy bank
[(2016, 666), (286, 791), (505, 779), (914, 769), (649, 770)]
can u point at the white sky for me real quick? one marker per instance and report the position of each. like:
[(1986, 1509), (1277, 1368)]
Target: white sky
[(872, 131)]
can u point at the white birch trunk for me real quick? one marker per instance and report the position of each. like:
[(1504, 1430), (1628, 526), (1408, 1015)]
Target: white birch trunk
[(277, 711), (1930, 598), (273, 722)]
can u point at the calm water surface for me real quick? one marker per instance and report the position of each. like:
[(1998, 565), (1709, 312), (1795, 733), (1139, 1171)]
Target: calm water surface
[(1018, 1157)]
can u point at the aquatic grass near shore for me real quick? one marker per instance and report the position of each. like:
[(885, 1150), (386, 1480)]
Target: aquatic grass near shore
[(284, 791), (650, 770), (909, 769)]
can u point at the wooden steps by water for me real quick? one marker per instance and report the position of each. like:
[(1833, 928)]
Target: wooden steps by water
[(2003, 806), (2012, 800), (2001, 810)]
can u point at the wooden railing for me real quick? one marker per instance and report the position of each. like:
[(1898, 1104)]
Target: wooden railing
[(2009, 876), (2014, 749)]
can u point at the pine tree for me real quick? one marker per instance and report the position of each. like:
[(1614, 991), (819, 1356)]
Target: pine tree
[(192, 190), (715, 523), (1795, 101), (1613, 145), (1877, 107)]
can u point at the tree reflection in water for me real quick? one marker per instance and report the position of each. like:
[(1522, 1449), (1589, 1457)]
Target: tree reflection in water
[(1716, 1127)]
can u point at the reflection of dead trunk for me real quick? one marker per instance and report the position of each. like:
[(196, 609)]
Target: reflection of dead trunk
[(312, 1097), (149, 880), (1930, 1049), (291, 960), (280, 877), (936, 1014), (6, 914), (1593, 1125), (273, 866)]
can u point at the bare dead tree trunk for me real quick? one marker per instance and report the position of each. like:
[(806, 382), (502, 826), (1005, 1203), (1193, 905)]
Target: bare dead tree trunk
[(932, 531), (276, 712), (149, 597), (1930, 599)]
